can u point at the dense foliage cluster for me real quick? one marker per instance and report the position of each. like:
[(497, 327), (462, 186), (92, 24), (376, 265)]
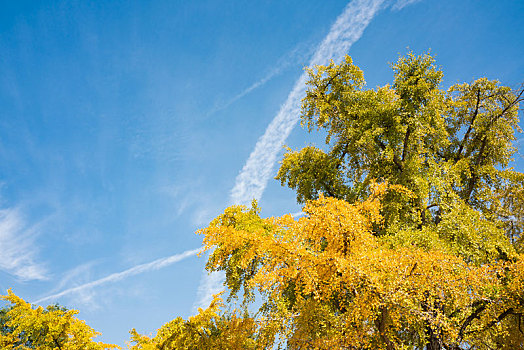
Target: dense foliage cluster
[(54, 328), (411, 238)]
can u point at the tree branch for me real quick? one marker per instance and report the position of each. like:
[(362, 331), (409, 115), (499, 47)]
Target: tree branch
[(474, 178), (482, 304), (397, 161), (502, 316), (405, 145), (466, 135)]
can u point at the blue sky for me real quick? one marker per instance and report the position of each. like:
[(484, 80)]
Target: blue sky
[(127, 125)]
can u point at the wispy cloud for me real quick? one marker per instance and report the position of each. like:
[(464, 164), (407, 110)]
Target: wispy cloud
[(518, 144), (210, 284), (18, 249), (348, 28), (298, 214), (299, 53), (253, 178), (400, 4), (138, 269), (77, 276)]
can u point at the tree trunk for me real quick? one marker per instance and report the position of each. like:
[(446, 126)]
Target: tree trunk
[(380, 322), (434, 341)]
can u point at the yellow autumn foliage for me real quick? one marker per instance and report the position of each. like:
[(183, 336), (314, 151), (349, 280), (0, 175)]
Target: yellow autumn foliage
[(411, 238), (329, 282), (46, 329)]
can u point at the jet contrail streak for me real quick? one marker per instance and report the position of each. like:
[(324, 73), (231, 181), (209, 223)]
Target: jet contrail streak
[(296, 54), (252, 180), (348, 28), (154, 265)]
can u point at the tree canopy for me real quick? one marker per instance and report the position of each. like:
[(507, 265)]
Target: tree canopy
[(411, 236), (329, 282), (52, 328), (451, 148)]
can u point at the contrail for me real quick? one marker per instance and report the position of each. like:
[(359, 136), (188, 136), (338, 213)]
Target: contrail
[(400, 4), (348, 28), (252, 180), (298, 53), (154, 265)]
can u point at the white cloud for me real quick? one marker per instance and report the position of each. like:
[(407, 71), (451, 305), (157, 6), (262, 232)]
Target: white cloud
[(210, 284), (193, 204), (348, 28), (18, 249), (297, 54), (202, 217), (400, 4), (77, 276), (253, 178), (135, 270), (298, 214), (250, 183), (182, 198)]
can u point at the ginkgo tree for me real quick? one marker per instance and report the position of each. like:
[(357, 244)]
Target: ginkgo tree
[(411, 236), (209, 329), (329, 282), (451, 148), (52, 328), (412, 233)]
